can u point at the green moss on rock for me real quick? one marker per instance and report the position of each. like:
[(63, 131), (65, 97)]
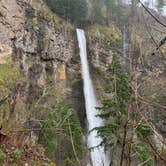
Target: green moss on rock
[(110, 34), (9, 74)]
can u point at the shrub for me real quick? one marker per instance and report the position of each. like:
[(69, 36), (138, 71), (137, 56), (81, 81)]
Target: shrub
[(63, 142), (16, 154)]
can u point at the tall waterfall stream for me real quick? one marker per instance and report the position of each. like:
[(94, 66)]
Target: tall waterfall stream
[(98, 155)]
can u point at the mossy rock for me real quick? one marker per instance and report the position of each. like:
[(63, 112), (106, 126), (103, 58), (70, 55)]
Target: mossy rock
[(9, 74), (110, 34)]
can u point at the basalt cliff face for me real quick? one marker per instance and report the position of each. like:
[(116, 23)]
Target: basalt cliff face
[(40, 44), (38, 47)]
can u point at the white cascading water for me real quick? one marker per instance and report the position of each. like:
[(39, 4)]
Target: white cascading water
[(98, 156)]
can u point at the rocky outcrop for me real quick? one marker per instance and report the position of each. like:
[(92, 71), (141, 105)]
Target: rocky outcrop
[(102, 39), (103, 44), (42, 47), (11, 21)]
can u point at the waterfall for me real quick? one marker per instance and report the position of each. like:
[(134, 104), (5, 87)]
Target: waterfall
[(98, 156)]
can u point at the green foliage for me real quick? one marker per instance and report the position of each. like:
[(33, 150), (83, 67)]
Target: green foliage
[(76, 81), (105, 10), (108, 130), (119, 86), (9, 74), (15, 155), (107, 88), (9, 155), (96, 11), (2, 156), (120, 83), (109, 35), (114, 10), (98, 71), (142, 150), (64, 128), (143, 130), (116, 112), (74, 10), (112, 6), (115, 109)]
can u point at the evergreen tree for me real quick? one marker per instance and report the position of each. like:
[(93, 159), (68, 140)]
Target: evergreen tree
[(74, 10), (111, 6), (96, 11)]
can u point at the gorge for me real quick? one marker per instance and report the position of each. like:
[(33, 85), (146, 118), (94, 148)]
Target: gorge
[(82, 83)]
